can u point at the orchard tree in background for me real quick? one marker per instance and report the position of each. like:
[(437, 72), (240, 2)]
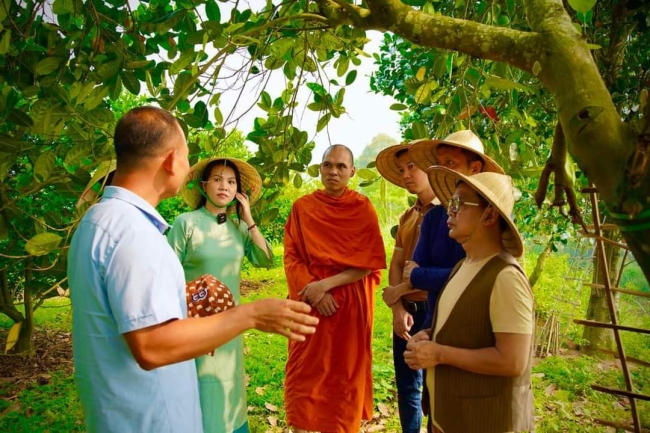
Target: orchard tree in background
[(65, 62)]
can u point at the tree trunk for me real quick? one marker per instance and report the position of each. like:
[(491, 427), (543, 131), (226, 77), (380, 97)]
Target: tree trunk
[(539, 265), (25, 344), (598, 309)]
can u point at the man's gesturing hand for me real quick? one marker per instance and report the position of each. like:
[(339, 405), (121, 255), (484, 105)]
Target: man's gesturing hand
[(284, 317)]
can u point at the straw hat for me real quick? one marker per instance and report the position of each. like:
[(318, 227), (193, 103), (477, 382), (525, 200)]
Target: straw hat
[(496, 188), (386, 164), (251, 182), (424, 151), (104, 169)]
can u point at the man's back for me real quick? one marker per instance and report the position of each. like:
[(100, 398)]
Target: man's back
[(124, 277)]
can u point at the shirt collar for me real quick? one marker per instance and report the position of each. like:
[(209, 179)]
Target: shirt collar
[(119, 193), (419, 207)]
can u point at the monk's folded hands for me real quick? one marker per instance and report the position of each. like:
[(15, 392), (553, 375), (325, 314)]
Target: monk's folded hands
[(327, 306), (314, 292)]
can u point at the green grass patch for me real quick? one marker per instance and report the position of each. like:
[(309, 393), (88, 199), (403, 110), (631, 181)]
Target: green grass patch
[(564, 401)]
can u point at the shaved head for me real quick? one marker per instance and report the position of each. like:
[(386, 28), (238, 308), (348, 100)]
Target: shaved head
[(342, 147)]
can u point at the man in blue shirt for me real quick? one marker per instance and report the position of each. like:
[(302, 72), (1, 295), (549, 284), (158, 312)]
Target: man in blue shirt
[(436, 253), (132, 342)]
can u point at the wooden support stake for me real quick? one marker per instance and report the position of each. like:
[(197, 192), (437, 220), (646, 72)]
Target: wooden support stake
[(628, 394), (595, 324)]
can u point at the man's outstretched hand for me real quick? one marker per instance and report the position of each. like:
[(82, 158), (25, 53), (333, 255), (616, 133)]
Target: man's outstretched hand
[(284, 317)]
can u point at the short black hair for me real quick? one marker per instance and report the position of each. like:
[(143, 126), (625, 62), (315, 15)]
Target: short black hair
[(401, 152), (142, 133), (469, 155), (339, 146)]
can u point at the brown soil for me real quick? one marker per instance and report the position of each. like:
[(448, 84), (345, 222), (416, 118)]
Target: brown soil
[(53, 352), (246, 287)]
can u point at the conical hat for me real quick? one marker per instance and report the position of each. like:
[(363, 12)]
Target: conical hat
[(251, 182), (386, 163), (423, 152), (496, 188)]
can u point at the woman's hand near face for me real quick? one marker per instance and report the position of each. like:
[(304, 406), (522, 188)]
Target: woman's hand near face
[(245, 207)]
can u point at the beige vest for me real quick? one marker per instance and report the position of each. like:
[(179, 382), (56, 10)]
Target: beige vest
[(468, 402)]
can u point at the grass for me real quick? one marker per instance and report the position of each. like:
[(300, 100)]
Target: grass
[(564, 401)]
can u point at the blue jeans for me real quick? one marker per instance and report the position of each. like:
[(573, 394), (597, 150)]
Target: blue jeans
[(409, 382)]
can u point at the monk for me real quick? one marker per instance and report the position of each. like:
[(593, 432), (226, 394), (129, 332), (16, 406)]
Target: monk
[(333, 253)]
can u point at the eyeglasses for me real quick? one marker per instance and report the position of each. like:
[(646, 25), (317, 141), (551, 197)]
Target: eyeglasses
[(455, 203)]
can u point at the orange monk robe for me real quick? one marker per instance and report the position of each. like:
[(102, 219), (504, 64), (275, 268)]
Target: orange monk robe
[(328, 385)]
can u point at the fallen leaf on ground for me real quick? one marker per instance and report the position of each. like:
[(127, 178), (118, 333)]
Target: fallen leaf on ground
[(383, 409), (259, 390), (271, 407), (273, 421)]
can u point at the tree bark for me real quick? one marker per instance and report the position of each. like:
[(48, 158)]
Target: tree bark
[(539, 265), (597, 309), (25, 344)]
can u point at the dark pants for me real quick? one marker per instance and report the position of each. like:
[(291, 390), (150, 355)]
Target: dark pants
[(409, 382)]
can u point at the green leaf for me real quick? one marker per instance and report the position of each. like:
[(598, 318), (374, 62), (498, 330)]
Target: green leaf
[(323, 121), (342, 68), (43, 243), (131, 83), (594, 47), (212, 11), (182, 62), (398, 107), (169, 21), (421, 73), (366, 173), (393, 231), (48, 65), (265, 102), (109, 69), (422, 94), (13, 335), (494, 82), (313, 170), (78, 152), (5, 42), (582, 6), (136, 64), (352, 75), (19, 118), (297, 181), (419, 130), (44, 166), (270, 216)]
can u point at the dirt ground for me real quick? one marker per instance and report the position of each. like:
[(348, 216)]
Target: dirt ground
[(53, 352)]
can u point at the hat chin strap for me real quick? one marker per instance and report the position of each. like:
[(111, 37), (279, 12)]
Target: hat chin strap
[(469, 237)]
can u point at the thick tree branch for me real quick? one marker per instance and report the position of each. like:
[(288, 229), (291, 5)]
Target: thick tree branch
[(339, 12), (562, 184), (469, 37)]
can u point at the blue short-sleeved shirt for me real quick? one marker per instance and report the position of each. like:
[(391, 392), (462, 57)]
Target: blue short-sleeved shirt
[(123, 277), (436, 255)]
